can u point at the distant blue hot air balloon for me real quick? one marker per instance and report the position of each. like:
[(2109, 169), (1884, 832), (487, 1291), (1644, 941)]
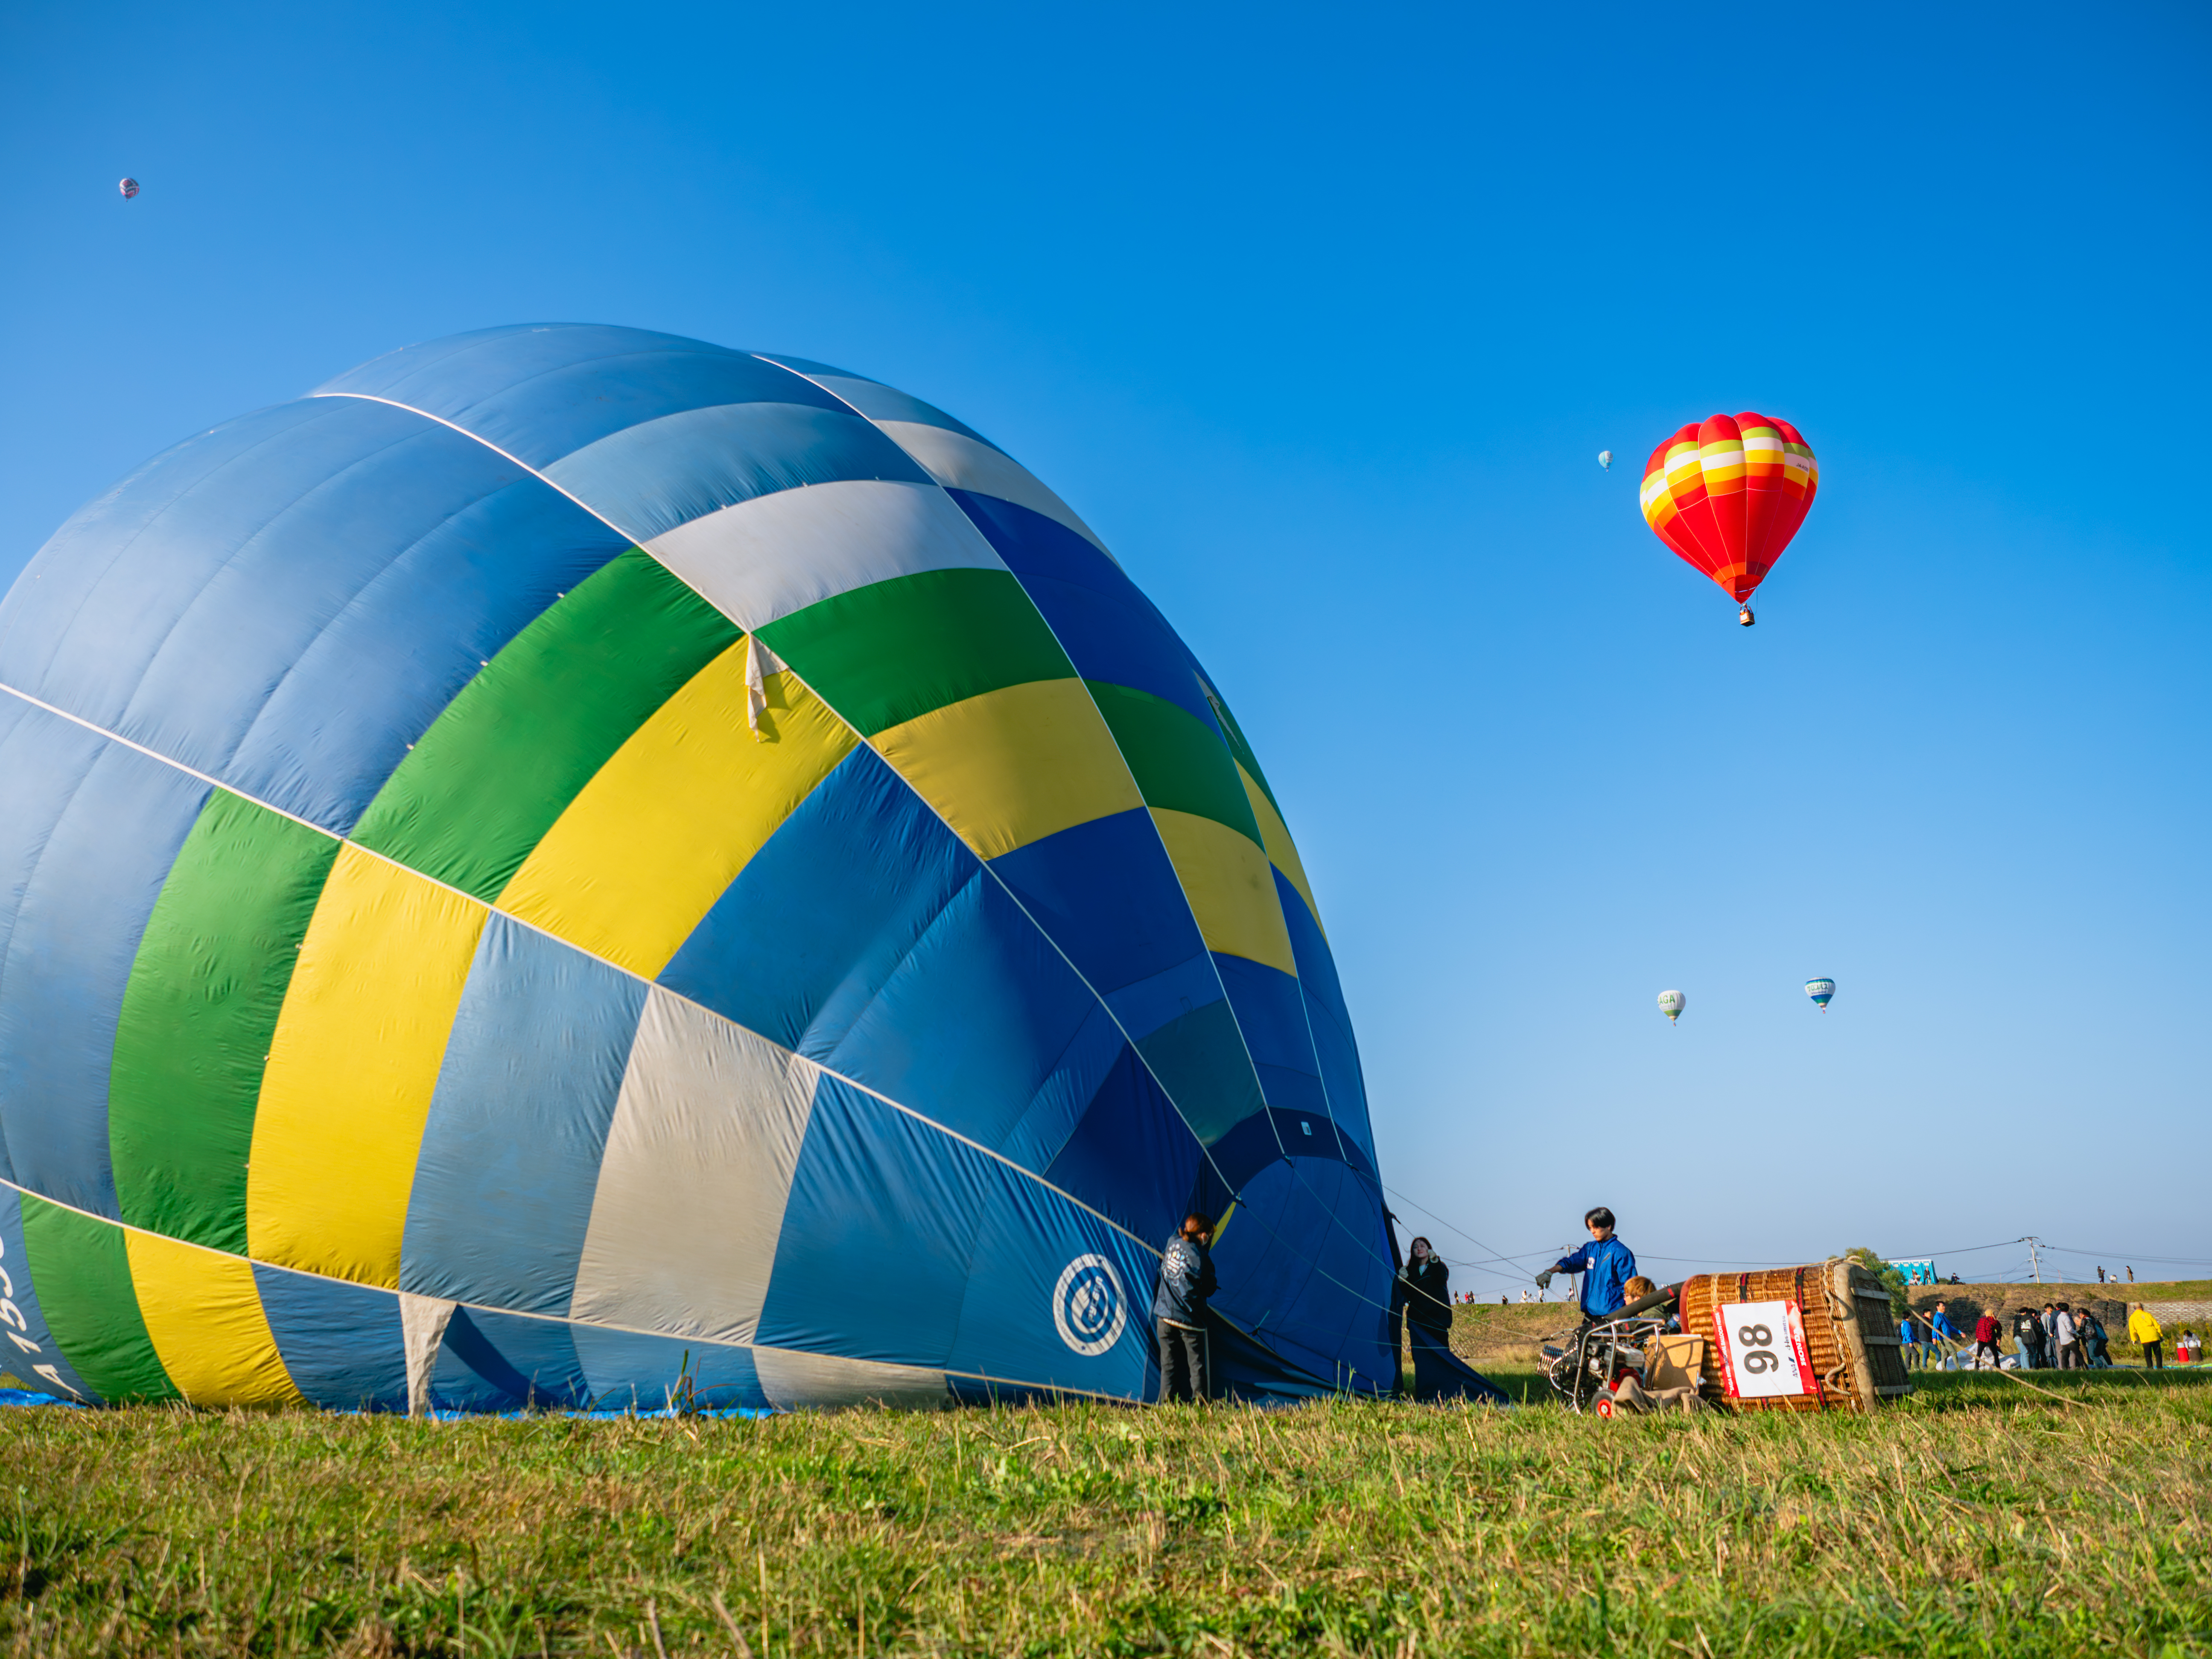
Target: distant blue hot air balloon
[(1605, 459), (1820, 990)]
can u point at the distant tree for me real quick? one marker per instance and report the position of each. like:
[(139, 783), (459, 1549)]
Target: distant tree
[(1892, 1280)]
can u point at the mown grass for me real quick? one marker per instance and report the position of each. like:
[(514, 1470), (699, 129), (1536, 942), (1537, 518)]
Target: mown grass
[(1978, 1518)]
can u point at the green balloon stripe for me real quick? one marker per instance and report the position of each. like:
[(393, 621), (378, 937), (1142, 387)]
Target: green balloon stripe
[(199, 1012), (82, 1266), (504, 760), (1239, 747), (888, 652), (1179, 762)]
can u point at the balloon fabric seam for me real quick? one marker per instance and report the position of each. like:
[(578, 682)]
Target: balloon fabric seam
[(874, 1094), (1244, 1041), (1305, 1013), (557, 1319), (554, 937), (543, 933)]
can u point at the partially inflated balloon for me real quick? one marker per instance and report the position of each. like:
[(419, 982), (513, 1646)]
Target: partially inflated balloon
[(574, 864), (1729, 494)]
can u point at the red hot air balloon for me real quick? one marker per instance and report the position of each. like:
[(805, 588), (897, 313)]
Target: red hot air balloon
[(129, 188), (1727, 495)]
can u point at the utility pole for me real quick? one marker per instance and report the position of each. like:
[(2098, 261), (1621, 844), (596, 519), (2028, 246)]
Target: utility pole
[(2035, 1262)]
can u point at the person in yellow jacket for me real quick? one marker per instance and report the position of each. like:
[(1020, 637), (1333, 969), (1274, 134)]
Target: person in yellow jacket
[(2143, 1328)]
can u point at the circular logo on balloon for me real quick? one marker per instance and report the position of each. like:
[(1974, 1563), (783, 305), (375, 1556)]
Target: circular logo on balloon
[(1088, 1309)]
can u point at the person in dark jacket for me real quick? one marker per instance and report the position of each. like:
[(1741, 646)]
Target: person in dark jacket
[(1423, 1292), (2066, 1337), (2096, 1347), (1187, 1281), (2027, 1331)]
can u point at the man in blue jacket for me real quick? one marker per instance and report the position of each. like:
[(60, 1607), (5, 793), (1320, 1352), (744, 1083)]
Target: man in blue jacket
[(1605, 1263), (1186, 1282)]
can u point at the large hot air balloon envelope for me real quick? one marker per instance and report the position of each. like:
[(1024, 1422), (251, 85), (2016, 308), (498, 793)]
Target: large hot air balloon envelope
[(1727, 496), (572, 864)]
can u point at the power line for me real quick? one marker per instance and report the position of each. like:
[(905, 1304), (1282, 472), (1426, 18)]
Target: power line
[(1970, 1250), (1513, 1262), (1718, 1261), (1494, 1255), (2125, 1257)]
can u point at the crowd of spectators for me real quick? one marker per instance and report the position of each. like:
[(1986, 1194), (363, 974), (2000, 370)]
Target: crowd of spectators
[(2058, 1336)]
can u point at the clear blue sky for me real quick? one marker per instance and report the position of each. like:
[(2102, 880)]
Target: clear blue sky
[(1320, 318)]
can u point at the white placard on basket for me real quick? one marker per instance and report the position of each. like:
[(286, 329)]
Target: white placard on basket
[(1763, 1349)]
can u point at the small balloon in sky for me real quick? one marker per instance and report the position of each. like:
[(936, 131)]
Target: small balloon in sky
[(129, 188), (1671, 1004), (1605, 459), (1820, 990)]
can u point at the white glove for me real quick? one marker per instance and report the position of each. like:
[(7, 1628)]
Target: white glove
[(1544, 1278)]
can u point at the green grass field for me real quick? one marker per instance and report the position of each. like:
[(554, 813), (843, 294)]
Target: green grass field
[(1978, 1518), (2176, 1290)]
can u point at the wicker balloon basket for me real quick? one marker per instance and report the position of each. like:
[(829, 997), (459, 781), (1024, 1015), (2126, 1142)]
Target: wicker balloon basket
[(1811, 1339)]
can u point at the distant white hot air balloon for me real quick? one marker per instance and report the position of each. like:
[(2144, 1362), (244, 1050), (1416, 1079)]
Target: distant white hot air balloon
[(129, 188), (1820, 990), (1671, 1004), (1605, 459)]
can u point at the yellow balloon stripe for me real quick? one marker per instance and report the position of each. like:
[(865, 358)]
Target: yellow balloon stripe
[(1686, 475), (1014, 765), (352, 1068), (1282, 851), (664, 828), (1721, 463), (1231, 892), (1762, 451), (203, 1311)]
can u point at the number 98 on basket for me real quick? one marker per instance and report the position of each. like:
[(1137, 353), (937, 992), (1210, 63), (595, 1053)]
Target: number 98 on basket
[(1763, 1349)]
